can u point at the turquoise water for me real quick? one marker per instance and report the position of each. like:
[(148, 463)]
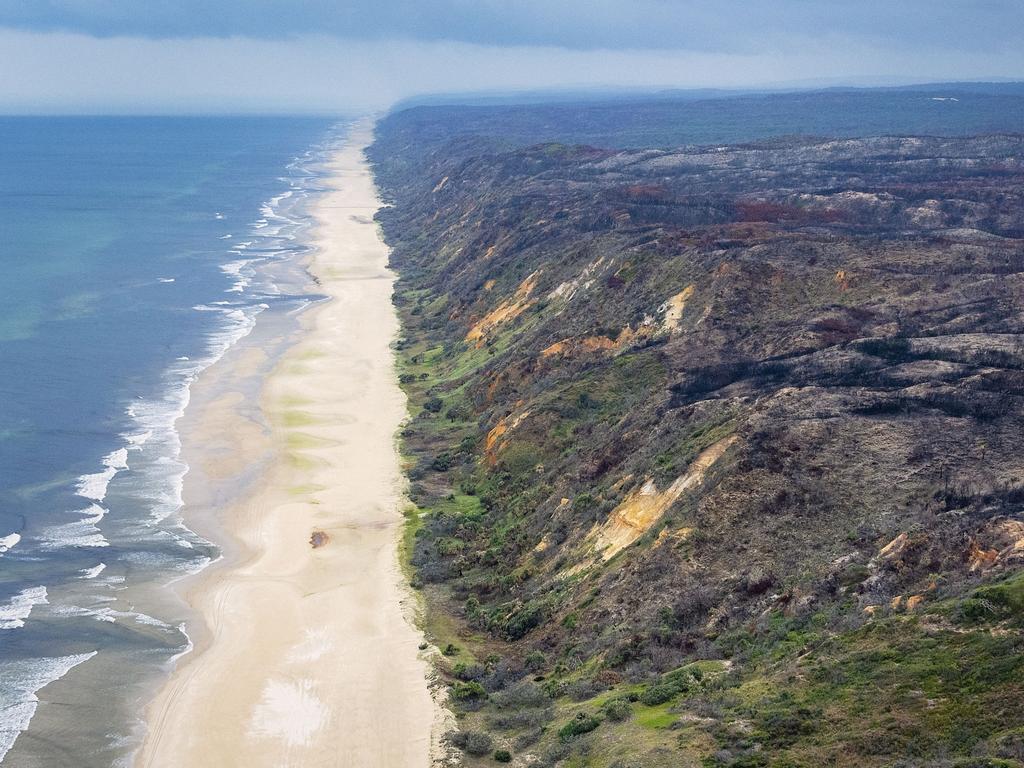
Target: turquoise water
[(130, 259)]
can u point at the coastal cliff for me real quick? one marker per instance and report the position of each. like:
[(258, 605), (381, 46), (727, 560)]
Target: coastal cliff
[(714, 448)]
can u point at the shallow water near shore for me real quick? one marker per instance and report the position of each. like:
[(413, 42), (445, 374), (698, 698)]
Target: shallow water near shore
[(136, 253)]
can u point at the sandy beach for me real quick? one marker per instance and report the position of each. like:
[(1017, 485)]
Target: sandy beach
[(308, 657)]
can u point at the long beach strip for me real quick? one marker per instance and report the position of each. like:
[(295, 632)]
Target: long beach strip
[(309, 658)]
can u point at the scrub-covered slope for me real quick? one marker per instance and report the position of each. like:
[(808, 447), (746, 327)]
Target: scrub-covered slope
[(716, 449)]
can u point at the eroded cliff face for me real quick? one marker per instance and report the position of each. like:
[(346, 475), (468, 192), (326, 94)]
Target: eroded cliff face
[(755, 407)]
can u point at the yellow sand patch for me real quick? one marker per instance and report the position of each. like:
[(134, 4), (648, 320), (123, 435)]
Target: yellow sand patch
[(644, 506), (489, 285), (591, 344), (558, 348), (981, 559), (667, 536), (673, 309), (895, 547), (618, 485), (1005, 539), (571, 347), (507, 310), (842, 279), (493, 436), (491, 445), (910, 603)]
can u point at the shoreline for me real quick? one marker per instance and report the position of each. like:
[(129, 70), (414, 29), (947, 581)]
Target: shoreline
[(307, 656)]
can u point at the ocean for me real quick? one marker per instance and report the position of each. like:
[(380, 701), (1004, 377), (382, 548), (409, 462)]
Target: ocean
[(134, 252)]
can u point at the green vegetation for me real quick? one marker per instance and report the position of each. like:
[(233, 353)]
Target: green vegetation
[(1003, 600), (578, 726), (843, 585)]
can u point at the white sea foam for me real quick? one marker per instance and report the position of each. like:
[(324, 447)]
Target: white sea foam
[(162, 478), (190, 567), (149, 621), (92, 573), (94, 486), (185, 649), (138, 440), (18, 608), (165, 279), (107, 614), (180, 541), (7, 542), (76, 611), (241, 271), (83, 532), (23, 678)]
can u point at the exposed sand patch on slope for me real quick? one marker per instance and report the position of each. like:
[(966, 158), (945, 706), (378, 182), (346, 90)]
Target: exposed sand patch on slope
[(645, 505), (494, 442), (672, 309), (507, 310)]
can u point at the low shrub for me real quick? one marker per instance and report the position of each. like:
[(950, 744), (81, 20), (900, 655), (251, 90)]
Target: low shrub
[(587, 688), (502, 756), (1003, 600), (659, 694), (471, 690), (469, 672), (784, 726), (617, 710), (514, 719), (535, 661), (442, 462), (528, 738), (501, 675), (582, 723), (523, 695), (474, 743)]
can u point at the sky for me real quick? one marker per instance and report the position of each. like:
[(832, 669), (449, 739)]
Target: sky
[(342, 55)]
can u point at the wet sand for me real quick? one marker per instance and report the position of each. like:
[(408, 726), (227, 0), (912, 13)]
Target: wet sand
[(308, 657)]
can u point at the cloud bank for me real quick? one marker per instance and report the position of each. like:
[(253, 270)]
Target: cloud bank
[(733, 26), (344, 55)]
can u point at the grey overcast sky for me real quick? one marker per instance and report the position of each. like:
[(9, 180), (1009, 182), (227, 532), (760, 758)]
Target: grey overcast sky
[(317, 55)]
